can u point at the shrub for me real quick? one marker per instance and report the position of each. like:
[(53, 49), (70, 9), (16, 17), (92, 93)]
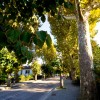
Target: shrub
[(25, 78), (3, 79), (29, 77), (97, 77), (22, 78), (77, 81)]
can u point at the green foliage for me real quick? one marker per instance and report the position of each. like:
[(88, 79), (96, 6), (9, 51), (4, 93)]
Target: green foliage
[(22, 78), (28, 77), (18, 28), (25, 78), (42, 37), (96, 60), (69, 5), (7, 61), (43, 18), (65, 31), (47, 69), (47, 54), (25, 37), (97, 78), (13, 35), (96, 54), (3, 78), (36, 67), (48, 41), (76, 81)]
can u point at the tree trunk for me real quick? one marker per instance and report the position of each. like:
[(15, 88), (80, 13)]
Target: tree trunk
[(61, 81), (35, 77), (44, 76), (87, 81), (9, 81), (73, 72), (16, 79), (86, 62)]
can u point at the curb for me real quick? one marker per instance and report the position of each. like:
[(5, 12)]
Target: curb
[(45, 96), (5, 88)]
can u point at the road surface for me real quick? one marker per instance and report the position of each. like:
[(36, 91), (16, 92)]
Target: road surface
[(30, 90)]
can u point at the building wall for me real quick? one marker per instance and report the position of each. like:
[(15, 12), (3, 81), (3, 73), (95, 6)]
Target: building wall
[(25, 72)]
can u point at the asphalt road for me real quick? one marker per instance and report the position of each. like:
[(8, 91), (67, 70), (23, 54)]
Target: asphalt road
[(30, 90)]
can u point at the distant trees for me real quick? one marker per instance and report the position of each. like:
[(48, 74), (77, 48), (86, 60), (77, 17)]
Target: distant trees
[(65, 31), (36, 69), (47, 55), (47, 70)]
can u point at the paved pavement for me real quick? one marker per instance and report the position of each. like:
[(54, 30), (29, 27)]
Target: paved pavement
[(30, 90), (41, 90), (69, 92)]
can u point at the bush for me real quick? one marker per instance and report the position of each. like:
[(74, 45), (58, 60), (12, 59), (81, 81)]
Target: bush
[(76, 81), (22, 78), (29, 77), (97, 77), (3, 79), (25, 78), (39, 77)]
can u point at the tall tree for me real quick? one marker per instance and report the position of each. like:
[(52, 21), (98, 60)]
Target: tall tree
[(82, 12), (65, 31), (47, 54), (88, 88), (36, 68)]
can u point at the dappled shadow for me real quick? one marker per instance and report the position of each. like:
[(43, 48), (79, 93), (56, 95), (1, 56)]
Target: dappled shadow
[(36, 90), (31, 90), (48, 83), (20, 95), (39, 85)]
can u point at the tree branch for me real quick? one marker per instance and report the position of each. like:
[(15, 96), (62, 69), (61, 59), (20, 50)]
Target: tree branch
[(69, 17), (93, 5)]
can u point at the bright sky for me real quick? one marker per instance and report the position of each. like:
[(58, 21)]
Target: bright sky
[(97, 37), (46, 27)]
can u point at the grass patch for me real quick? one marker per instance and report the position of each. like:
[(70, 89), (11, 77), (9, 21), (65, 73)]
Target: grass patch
[(59, 88)]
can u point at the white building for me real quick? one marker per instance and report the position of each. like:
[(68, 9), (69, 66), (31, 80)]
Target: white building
[(26, 70)]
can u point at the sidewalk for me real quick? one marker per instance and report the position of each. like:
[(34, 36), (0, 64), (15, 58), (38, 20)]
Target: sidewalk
[(70, 92)]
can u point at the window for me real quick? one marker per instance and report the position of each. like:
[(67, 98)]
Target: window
[(27, 72)]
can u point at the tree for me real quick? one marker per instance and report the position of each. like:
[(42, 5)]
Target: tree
[(66, 37), (96, 60), (47, 54), (47, 70), (8, 63), (36, 68), (81, 9), (19, 30), (88, 88), (57, 64)]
